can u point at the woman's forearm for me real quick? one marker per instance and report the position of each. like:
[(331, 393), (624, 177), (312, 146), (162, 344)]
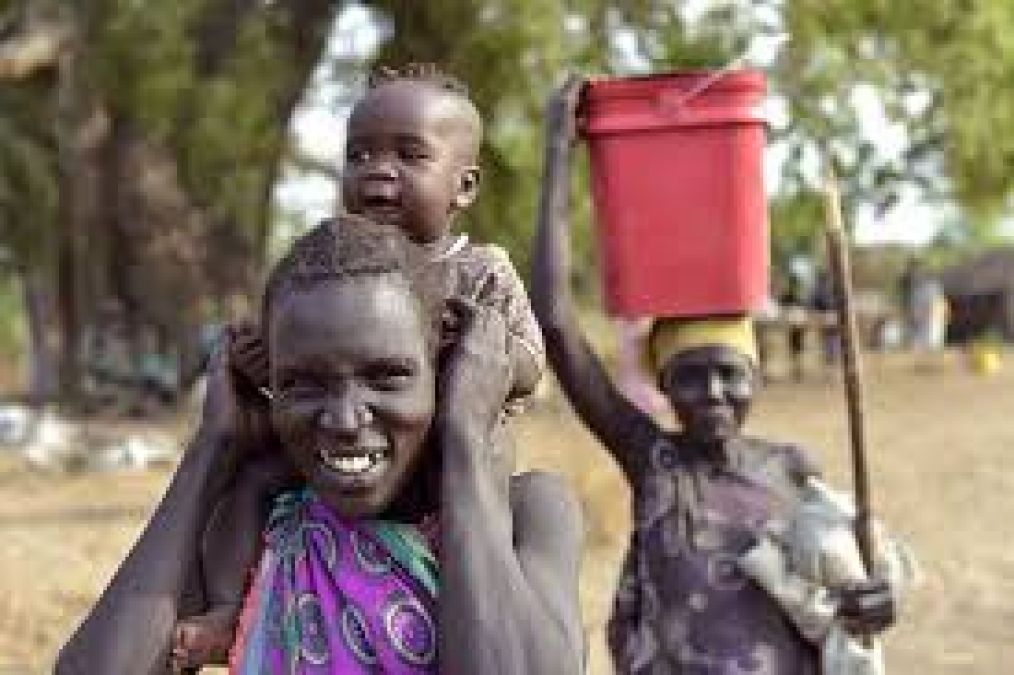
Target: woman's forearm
[(618, 424), (492, 618), (477, 561), (128, 630), (552, 299)]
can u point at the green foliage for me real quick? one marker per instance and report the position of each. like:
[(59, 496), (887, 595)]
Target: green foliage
[(13, 334), (141, 57), (230, 149), (797, 225), (212, 82), (942, 69), (29, 192)]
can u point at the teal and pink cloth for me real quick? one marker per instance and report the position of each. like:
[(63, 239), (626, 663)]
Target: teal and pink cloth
[(332, 596)]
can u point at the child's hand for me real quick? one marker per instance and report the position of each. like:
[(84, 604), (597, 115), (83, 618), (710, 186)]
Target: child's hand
[(561, 112), (203, 640), (866, 607)]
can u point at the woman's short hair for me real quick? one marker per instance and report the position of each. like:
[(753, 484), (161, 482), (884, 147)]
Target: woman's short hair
[(353, 246)]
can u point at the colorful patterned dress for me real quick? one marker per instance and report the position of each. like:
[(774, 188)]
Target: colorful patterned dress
[(339, 596)]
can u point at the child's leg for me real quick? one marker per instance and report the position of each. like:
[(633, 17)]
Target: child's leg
[(229, 551)]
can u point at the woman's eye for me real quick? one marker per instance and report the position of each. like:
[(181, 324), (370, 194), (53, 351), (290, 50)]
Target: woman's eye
[(689, 375), (735, 375), (300, 389), (389, 378)]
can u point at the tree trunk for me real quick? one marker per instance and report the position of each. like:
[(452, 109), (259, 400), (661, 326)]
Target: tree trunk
[(43, 336), (82, 131), (130, 228)]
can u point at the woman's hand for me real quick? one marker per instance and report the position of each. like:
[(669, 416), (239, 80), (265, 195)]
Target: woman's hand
[(562, 112), (235, 413), (476, 375), (866, 607), (248, 355)]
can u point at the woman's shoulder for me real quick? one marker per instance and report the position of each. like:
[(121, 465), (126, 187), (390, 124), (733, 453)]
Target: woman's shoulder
[(539, 482), (546, 498)]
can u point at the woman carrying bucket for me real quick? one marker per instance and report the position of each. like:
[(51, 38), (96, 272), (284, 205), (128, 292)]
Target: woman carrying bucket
[(704, 587)]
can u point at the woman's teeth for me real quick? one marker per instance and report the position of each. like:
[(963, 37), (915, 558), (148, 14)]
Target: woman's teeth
[(343, 463)]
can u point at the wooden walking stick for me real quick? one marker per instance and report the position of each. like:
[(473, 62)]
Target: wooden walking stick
[(837, 253)]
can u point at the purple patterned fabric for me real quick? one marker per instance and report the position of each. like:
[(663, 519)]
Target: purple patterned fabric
[(338, 596), (683, 606)]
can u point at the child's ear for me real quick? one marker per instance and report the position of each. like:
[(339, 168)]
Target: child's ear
[(468, 187)]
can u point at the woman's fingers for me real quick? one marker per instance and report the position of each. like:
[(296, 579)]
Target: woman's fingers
[(562, 113), (477, 372), (866, 607), (248, 354)]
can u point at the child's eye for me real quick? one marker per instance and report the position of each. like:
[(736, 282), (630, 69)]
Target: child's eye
[(357, 156), (413, 154)]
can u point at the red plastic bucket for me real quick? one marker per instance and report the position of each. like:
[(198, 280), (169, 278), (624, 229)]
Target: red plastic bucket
[(677, 179)]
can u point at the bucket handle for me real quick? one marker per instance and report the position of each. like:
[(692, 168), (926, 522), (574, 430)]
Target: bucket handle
[(673, 104)]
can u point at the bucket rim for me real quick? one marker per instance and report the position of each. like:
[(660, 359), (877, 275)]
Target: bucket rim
[(734, 79)]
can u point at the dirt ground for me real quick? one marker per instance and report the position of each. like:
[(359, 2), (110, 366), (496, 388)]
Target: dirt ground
[(943, 477)]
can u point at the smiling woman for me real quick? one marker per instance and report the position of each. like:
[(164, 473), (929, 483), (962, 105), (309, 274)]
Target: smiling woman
[(402, 547), (353, 371)]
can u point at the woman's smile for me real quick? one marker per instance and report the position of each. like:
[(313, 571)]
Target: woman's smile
[(356, 389), (355, 467)]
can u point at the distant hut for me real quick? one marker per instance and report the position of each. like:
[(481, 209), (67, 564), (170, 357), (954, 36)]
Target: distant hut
[(980, 292)]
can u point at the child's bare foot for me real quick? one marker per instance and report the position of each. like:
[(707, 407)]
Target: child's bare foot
[(204, 639)]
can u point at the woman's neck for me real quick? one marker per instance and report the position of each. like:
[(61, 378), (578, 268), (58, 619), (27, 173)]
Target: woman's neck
[(719, 452)]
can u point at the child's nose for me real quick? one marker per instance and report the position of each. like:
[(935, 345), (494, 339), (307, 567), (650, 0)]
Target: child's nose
[(381, 168)]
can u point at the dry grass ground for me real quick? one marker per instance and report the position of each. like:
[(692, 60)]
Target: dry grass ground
[(943, 459)]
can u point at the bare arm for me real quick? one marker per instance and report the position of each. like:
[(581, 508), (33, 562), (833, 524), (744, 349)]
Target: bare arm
[(623, 429), (508, 600), (128, 631)]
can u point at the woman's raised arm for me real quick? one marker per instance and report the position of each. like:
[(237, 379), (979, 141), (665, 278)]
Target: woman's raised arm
[(509, 558), (614, 420), (128, 631)]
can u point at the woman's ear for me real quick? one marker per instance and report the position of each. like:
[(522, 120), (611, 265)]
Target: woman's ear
[(468, 187)]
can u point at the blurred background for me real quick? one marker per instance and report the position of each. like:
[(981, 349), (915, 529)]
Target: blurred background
[(155, 156)]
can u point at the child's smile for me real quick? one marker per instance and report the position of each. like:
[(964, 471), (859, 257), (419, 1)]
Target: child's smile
[(409, 159)]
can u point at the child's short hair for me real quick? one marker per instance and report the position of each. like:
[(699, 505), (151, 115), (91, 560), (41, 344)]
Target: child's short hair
[(429, 73), (353, 246)]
